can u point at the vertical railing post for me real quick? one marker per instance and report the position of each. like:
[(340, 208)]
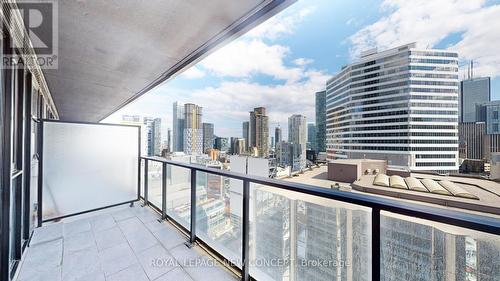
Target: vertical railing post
[(164, 191), (146, 161), (40, 174), (245, 256), (375, 244), (192, 236)]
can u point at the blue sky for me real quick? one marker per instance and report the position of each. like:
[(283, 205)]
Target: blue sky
[(283, 62)]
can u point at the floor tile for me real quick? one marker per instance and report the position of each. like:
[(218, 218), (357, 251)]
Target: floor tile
[(53, 274), (109, 238), (190, 260), (140, 239), (168, 235), (47, 233), (156, 261), (177, 274), (123, 214), (76, 227), (116, 258), (130, 225), (132, 273), (79, 242), (80, 264), (146, 214), (97, 275), (103, 222)]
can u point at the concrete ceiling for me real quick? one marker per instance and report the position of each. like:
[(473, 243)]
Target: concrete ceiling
[(111, 52)]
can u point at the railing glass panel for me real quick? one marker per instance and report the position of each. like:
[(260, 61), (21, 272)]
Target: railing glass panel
[(155, 176), (218, 214), (301, 237), (179, 194), (416, 249)]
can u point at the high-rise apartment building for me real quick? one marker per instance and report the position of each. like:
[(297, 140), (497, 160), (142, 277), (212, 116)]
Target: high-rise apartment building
[(297, 137), (277, 136), (321, 121), (193, 131), (208, 137), (259, 131), (149, 133), (399, 105), (311, 136), (178, 127), (156, 149), (246, 134), (473, 92)]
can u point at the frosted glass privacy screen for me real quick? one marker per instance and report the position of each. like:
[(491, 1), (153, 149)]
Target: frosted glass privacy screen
[(88, 166)]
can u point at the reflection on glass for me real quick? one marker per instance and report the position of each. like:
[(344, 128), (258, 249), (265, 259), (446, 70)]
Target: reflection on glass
[(300, 237), (155, 183), (218, 214), (179, 194), (415, 249)]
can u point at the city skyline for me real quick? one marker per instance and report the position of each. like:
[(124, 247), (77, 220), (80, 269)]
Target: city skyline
[(275, 62)]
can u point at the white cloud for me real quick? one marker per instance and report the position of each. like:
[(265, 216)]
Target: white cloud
[(244, 58), (193, 72), (429, 22), (302, 61), (281, 24), (231, 101)]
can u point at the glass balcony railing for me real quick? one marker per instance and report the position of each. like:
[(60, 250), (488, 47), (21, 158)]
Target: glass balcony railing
[(275, 230)]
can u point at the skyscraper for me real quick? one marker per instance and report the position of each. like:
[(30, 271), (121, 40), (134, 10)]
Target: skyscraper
[(193, 131), (297, 137), (473, 92), (399, 105), (178, 127), (277, 136), (222, 144), (321, 121), (148, 128), (246, 134), (208, 136), (156, 137), (311, 136), (259, 131)]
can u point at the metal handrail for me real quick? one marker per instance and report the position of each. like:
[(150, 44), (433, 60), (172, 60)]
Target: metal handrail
[(377, 204)]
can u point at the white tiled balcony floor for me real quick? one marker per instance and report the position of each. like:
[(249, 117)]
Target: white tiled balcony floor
[(121, 244)]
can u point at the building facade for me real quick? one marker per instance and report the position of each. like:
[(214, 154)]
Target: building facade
[(277, 136), (178, 127), (246, 134), (321, 121), (311, 137), (473, 92), (297, 137), (489, 114), (193, 131), (259, 131), (156, 137), (222, 144), (149, 133), (399, 105), (471, 140), (208, 137)]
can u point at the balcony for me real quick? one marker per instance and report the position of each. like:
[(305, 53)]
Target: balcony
[(121, 243), (79, 202)]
